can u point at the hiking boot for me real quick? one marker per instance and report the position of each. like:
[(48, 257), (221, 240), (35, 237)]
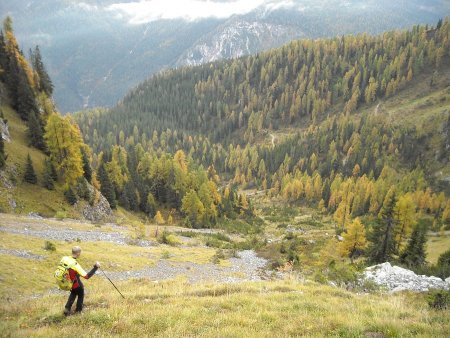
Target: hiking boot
[(66, 312)]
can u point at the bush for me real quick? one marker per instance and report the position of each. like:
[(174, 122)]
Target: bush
[(61, 215), (168, 238), (439, 299), (219, 255), (49, 246)]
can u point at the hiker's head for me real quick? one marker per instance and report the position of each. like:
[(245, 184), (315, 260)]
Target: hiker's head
[(76, 252)]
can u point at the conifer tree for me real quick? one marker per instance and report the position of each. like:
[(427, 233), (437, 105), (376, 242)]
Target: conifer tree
[(159, 219), (123, 200), (405, 214), (25, 99), (106, 187), (47, 178), (29, 175), (150, 207), (383, 244), (70, 196), (2, 152), (87, 170), (354, 241), (415, 254), (64, 143), (193, 208), (35, 132), (44, 83)]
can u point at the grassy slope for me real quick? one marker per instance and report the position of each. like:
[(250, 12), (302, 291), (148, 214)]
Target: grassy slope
[(263, 309), (436, 246), (177, 308), (29, 198)]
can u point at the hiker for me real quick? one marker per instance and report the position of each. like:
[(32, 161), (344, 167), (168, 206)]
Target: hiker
[(75, 271)]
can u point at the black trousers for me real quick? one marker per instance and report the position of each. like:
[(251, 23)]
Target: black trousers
[(74, 293)]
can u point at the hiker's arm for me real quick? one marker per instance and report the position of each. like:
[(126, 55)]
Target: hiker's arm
[(93, 270), (91, 273)]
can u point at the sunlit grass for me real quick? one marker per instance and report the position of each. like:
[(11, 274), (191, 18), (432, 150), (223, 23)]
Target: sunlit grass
[(263, 309), (436, 246)]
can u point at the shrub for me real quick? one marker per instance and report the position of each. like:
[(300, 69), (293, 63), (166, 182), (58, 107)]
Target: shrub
[(219, 255), (168, 238), (439, 299), (49, 246), (61, 214)]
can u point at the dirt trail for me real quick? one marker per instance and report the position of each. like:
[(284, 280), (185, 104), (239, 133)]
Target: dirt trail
[(61, 230), (245, 267)]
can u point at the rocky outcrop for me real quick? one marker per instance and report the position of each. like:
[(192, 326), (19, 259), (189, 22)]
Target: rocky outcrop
[(100, 211), (4, 131), (395, 278)]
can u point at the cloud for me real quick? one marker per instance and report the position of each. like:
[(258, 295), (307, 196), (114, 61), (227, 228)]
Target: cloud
[(190, 10), (87, 7)]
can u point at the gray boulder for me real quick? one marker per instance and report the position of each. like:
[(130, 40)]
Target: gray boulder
[(395, 278)]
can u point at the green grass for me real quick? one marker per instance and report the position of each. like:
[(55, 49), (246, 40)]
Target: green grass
[(436, 246), (262, 309), (29, 198), (18, 274)]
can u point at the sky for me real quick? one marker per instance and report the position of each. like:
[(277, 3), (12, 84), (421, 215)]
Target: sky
[(151, 10)]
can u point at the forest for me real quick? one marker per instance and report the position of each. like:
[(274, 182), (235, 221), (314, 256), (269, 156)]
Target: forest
[(360, 168), (186, 144)]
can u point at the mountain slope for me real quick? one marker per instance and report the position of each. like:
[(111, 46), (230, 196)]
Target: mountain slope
[(345, 149), (94, 54)]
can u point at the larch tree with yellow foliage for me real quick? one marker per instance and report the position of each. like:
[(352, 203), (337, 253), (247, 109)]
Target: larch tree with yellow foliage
[(64, 143), (159, 219), (355, 241), (404, 213)]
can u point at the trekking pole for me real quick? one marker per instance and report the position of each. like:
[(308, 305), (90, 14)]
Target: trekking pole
[(112, 283)]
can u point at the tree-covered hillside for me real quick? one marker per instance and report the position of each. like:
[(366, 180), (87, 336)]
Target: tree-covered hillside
[(343, 153), (288, 86), (136, 179)]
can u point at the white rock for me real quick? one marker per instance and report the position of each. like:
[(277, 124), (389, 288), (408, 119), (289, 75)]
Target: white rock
[(395, 279)]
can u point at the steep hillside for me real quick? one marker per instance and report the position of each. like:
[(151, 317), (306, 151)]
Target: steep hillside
[(45, 166)]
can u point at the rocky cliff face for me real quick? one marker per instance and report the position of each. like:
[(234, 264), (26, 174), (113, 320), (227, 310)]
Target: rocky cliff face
[(100, 211), (4, 131), (237, 38), (395, 278)]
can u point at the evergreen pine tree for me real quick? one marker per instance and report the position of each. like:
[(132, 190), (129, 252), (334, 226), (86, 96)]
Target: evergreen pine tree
[(106, 187), (30, 175), (382, 236), (47, 179), (2, 152), (86, 165), (26, 102), (35, 131), (4, 60), (150, 207), (123, 200), (70, 196), (414, 254), (45, 84), (132, 197)]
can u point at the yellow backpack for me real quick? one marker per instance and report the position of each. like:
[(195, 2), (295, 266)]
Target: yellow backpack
[(62, 273)]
